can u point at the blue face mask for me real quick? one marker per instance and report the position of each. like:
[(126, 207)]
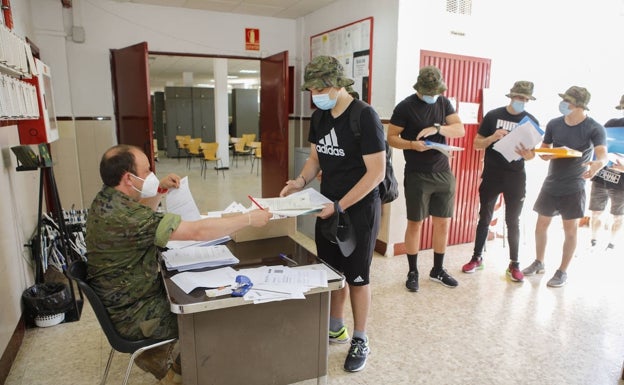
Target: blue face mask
[(323, 101), (564, 108), (430, 99), (517, 105)]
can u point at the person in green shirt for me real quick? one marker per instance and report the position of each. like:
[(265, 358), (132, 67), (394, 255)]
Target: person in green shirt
[(124, 232)]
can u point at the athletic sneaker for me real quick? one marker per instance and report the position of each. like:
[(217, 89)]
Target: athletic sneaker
[(536, 267), (412, 281), (443, 277), (514, 273), (559, 279), (339, 337), (358, 353), (476, 263)]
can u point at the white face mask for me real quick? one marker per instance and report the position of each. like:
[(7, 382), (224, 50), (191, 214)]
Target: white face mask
[(150, 185)]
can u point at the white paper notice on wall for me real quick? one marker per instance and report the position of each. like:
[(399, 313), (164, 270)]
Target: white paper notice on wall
[(468, 112)]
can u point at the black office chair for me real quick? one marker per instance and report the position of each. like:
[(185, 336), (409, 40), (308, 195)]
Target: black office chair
[(78, 272)]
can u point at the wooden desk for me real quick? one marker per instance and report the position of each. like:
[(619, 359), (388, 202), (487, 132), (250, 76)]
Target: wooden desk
[(227, 340)]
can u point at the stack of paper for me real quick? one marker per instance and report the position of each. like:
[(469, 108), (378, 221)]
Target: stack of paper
[(527, 134), (210, 242), (278, 283), (193, 257), (303, 202), (218, 278), (559, 152)]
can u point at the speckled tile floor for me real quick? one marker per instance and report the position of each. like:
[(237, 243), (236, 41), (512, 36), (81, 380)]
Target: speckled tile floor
[(487, 331)]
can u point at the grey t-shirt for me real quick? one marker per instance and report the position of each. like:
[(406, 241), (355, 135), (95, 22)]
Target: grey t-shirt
[(565, 175)]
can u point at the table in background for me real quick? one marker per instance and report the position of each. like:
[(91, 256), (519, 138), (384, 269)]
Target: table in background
[(227, 340)]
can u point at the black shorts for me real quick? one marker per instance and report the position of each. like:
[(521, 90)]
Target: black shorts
[(429, 194), (600, 195), (571, 206), (365, 216)]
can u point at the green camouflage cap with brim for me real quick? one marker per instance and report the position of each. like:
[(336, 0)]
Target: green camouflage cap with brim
[(522, 88), (579, 96), (430, 81), (323, 72), (621, 106)]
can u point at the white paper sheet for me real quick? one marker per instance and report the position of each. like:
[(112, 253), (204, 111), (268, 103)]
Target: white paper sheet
[(180, 201), (190, 280), (526, 134)]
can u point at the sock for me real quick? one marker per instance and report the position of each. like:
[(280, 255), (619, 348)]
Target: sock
[(411, 260), (438, 261), (515, 264), (359, 334), (335, 324), (476, 257)]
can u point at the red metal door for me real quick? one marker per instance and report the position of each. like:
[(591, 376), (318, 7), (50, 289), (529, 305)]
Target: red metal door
[(465, 77), (131, 93), (274, 95)]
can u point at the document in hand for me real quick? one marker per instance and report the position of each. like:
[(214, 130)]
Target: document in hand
[(443, 148), (559, 152), (527, 134), (180, 201), (303, 202), (615, 139), (189, 258)]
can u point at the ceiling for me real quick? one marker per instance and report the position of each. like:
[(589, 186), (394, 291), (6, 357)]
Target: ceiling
[(168, 70), (286, 9)]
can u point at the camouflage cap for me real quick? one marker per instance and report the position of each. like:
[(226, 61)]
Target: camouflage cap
[(430, 81), (521, 88), (579, 96), (323, 72), (621, 106)]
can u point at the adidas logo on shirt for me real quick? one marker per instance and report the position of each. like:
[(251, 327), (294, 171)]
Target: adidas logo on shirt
[(329, 145)]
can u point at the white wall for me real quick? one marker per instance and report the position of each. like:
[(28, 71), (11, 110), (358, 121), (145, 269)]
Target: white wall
[(18, 205), (555, 44), (112, 25), (384, 45)]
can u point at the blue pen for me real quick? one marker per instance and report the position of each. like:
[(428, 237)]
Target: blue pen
[(285, 258)]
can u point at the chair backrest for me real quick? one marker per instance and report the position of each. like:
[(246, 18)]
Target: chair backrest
[(240, 146), (210, 150), (78, 272), (193, 146), (183, 140), (258, 152), (248, 138)]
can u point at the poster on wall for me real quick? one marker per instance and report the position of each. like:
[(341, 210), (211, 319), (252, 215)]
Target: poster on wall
[(352, 45)]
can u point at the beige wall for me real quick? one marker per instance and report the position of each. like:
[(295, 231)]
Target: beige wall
[(18, 208)]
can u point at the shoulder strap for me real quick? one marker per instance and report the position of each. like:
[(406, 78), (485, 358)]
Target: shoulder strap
[(354, 117)]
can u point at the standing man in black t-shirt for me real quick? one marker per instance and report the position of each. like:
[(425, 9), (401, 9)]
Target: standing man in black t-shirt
[(500, 176), (608, 184), (429, 182), (352, 169)]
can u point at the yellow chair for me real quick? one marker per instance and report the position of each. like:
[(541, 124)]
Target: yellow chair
[(210, 155), (193, 151), (256, 155), (248, 138), (183, 142), (241, 149)]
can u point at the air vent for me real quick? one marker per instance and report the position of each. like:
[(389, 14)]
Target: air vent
[(459, 7)]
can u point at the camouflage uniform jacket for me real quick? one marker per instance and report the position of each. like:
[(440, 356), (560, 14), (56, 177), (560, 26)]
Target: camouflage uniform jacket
[(122, 239)]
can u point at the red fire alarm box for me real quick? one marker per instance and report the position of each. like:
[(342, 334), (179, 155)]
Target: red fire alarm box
[(44, 129)]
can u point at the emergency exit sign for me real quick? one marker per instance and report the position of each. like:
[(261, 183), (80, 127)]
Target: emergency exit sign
[(252, 39)]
